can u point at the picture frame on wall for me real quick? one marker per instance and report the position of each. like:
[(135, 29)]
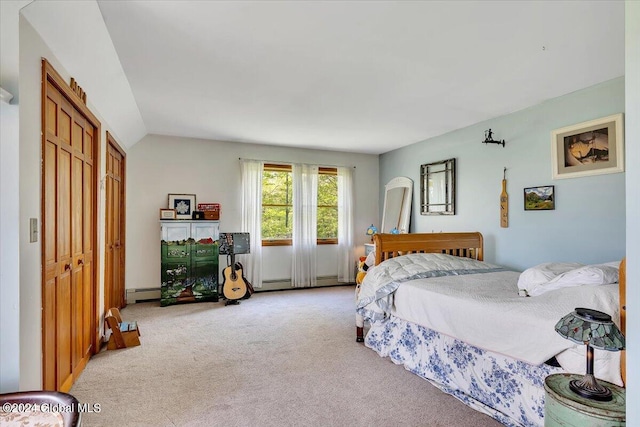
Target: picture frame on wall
[(540, 198), (167, 214), (184, 205), (594, 147)]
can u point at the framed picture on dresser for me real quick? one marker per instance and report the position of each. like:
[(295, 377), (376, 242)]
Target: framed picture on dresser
[(167, 214), (184, 205)]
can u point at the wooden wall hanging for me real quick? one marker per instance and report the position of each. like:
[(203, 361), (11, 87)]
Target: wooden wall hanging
[(504, 202)]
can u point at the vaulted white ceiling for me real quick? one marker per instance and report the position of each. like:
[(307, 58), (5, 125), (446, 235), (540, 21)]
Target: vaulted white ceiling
[(360, 76)]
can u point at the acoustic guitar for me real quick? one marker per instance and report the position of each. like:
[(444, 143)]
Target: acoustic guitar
[(234, 286)]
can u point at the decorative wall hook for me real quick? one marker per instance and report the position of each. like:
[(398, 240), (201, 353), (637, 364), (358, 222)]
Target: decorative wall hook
[(488, 138)]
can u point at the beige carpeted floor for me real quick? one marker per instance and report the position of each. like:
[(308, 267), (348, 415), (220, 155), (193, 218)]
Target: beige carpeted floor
[(284, 358)]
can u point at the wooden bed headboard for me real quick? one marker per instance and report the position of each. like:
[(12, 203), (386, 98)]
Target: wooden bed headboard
[(468, 245)]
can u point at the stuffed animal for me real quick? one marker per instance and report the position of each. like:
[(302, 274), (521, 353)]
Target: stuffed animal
[(364, 264), (362, 270)]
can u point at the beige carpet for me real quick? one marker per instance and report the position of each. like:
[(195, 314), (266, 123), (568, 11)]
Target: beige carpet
[(285, 358)]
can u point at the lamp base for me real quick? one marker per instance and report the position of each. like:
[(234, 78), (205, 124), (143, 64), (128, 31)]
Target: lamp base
[(589, 388)]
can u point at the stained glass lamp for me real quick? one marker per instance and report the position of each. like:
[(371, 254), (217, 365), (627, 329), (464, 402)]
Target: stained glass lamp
[(595, 329)]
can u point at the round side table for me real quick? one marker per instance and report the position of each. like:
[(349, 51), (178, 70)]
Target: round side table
[(565, 408)]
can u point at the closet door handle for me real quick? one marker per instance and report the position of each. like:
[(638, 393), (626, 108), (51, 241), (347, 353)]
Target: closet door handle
[(67, 267), (80, 262)]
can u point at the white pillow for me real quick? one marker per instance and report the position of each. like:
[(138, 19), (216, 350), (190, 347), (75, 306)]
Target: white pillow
[(543, 273), (370, 261), (596, 274)]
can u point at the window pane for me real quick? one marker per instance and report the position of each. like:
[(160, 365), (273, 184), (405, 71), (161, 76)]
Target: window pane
[(276, 222), (327, 206), (327, 190), (277, 212), (276, 188), (327, 222)]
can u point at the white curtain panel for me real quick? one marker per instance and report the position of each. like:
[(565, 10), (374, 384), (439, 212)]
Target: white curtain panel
[(305, 212), (252, 219), (346, 256)]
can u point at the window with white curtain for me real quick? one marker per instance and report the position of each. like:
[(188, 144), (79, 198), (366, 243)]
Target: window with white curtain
[(277, 205)]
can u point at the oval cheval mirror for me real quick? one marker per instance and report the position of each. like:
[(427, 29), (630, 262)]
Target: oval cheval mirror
[(396, 211)]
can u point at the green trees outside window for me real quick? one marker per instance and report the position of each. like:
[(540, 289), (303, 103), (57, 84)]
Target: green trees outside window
[(277, 205)]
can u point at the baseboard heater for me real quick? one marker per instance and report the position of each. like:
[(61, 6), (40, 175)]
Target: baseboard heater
[(280, 284), (149, 294), (142, 294)]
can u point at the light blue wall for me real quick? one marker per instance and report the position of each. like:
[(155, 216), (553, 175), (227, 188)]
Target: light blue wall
[(588, 223)]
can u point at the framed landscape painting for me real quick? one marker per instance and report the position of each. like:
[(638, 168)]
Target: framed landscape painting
[(590, 148), (539, 198)]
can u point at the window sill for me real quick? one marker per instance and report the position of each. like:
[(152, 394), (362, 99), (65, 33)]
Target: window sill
[(289, 242)]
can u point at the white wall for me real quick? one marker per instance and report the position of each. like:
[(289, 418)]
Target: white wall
[(159, 165), (587, 224), (32, 50), (632, 99), (9, 272)]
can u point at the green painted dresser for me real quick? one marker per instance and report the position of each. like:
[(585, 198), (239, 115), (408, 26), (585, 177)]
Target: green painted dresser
[(565, 408), (189, 261)]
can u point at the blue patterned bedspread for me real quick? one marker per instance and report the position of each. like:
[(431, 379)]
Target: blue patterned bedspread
[(510, 391)]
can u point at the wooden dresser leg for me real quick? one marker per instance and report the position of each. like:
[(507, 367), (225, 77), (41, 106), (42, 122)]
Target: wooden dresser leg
[(359, 334)]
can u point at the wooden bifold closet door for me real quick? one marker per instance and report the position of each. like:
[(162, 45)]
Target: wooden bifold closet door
[(114, 226), (70, 147)]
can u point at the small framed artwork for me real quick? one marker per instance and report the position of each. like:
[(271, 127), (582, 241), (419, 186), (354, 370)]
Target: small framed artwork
[(539, 198), (184, 205), (167, 214), (595, 147)]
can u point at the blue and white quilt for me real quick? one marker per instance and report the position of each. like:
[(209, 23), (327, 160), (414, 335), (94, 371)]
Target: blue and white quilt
[(510, 391)]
